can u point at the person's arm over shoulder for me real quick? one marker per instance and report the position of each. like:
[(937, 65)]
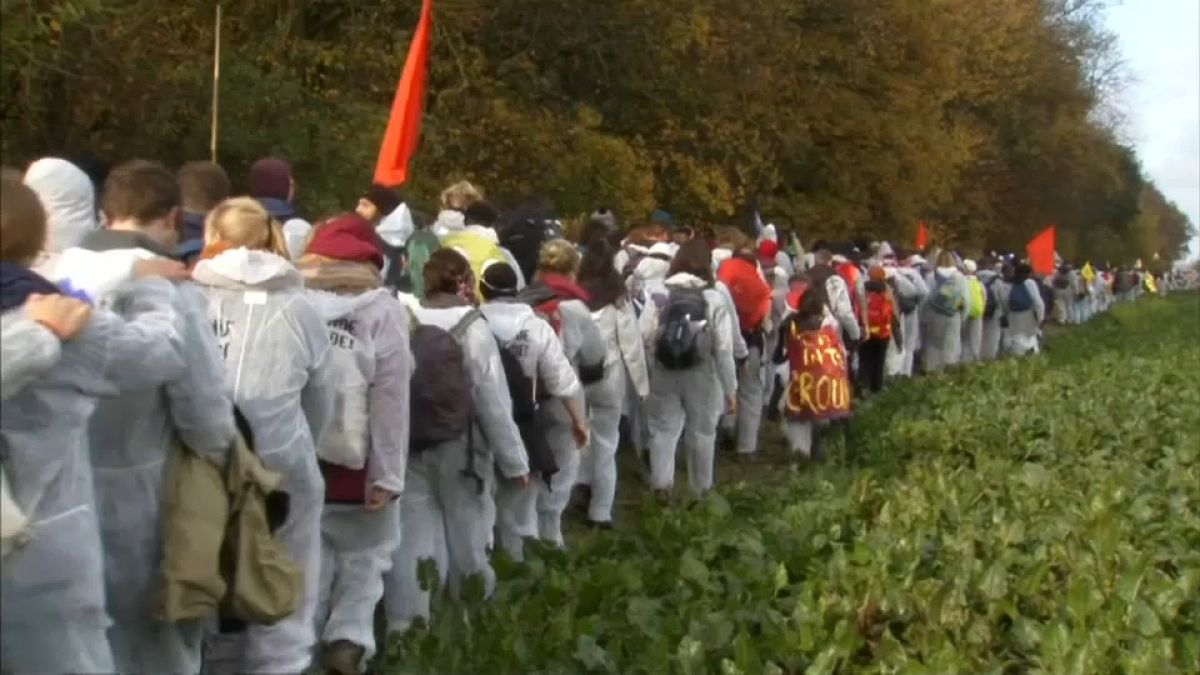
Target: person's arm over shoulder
[(29, 350), (389, 400), (722, 344), (553, 369), (146, 348), (199, 402), (492, 402), (318, 397)]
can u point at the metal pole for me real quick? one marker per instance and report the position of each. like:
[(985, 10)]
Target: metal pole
[(216, 91)]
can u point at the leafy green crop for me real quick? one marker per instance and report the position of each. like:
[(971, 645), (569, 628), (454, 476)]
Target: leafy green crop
[(1038, 515)]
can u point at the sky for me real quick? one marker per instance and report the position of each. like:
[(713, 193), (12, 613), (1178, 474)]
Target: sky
[(1160, 43)]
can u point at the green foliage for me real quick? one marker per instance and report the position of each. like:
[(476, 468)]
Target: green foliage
[(1035, 515), (841, 117)]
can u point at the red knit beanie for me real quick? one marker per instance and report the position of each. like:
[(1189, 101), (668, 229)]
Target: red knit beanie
[(347, 237)]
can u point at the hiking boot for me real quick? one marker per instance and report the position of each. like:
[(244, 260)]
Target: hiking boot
[(342, 657)]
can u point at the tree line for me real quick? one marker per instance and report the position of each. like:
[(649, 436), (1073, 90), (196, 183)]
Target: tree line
[(838, 118)]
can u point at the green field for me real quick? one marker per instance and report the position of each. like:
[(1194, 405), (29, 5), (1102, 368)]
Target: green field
[(1021, 516)]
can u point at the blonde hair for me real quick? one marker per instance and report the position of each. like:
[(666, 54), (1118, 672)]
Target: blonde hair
[(460, 195), (558, 256), (945, 259), (22, 220), (243, 222)]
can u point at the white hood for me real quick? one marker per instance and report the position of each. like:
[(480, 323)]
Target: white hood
[(397, 226), (651, 269), (70, 201), (720, 255), (243, 268), (448, 220), (685, 280), (333, 306), (506, 318)]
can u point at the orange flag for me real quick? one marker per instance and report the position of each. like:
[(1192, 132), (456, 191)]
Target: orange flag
[(1041, 251), (922, 236), (404, 125)]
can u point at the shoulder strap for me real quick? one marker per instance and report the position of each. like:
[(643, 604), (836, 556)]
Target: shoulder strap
[(459, 330)]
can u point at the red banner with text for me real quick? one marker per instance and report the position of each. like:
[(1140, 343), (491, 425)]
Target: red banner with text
[(820, 385)]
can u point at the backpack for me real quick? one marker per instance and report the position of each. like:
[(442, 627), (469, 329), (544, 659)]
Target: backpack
[(1019, 300), (1061, 282), (524, 393), (418, 249), (991, 303), (977, 298), (683, 339), (879, 315), (524, 240), (944, 299), (441, 388), (849, 273), (907, 303)]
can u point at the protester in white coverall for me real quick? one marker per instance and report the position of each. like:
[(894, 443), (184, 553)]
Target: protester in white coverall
[(945, 310), (690, 402), (556, 292), (444, 511), (1024, 326), (532, 341), (993, 283), (646, 285), (133, 434), (625, 357), (364, 452), (276, 351), (911, 270), (54, 617), (32, 343)]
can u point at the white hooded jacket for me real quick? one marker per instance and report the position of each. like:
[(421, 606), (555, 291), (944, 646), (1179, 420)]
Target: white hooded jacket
[(373, 367), (528, 337), (721, 324), (70, 201)]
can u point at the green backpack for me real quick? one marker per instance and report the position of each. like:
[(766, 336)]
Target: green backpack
[(419, 248)]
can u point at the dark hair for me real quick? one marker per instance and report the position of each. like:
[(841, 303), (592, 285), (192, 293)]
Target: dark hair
[(595, 231), (1021, 272), (444, 271), (203, 185), (499, 280), (598, 276), (140, 190), (480, 213), (693, 258)]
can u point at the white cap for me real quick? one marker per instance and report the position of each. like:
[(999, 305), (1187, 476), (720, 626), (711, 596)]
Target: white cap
[(969, 266)]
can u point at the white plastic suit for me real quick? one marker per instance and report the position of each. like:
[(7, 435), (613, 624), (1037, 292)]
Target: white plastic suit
[(689, 402), (942, 341), (54, 617), (372, 368), (276, 349), (444, 511)]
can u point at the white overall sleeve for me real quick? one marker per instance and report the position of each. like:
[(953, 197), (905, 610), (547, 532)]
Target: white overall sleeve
[(29, 350), (200, 405), (553, 368), (389, 402), (145, 350), (492, 403)]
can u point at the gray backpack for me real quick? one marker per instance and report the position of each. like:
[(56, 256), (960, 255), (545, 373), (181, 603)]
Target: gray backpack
[(440, 391), (683, 337)]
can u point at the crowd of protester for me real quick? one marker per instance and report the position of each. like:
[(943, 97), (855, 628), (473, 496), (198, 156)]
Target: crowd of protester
[(231, 434)]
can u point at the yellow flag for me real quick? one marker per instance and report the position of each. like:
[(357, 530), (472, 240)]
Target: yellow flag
[(1151, 285), (1088, 273)]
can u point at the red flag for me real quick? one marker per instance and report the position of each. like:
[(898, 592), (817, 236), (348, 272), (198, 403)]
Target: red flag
[(1041, 251), (922, 236), (404, 125)]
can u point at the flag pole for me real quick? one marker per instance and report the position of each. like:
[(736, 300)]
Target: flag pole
[(216, 92)]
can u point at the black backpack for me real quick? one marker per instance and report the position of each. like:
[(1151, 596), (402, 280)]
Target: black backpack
[(440, 391), (395, 275), (907, 303), (523, 391), (683, 337), (992, 303), (524, 239)]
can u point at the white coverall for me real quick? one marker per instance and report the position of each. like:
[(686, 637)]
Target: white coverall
[(942, 343), (532, 340), (372, 367), (689, 402), (276, 351), (625, 358), (55, 617), (446, 505), (131, 437)]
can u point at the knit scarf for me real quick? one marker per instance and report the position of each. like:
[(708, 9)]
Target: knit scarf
[(338, 276)]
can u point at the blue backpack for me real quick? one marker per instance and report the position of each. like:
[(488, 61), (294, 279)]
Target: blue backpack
[(945, 298), (1019, 300)]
